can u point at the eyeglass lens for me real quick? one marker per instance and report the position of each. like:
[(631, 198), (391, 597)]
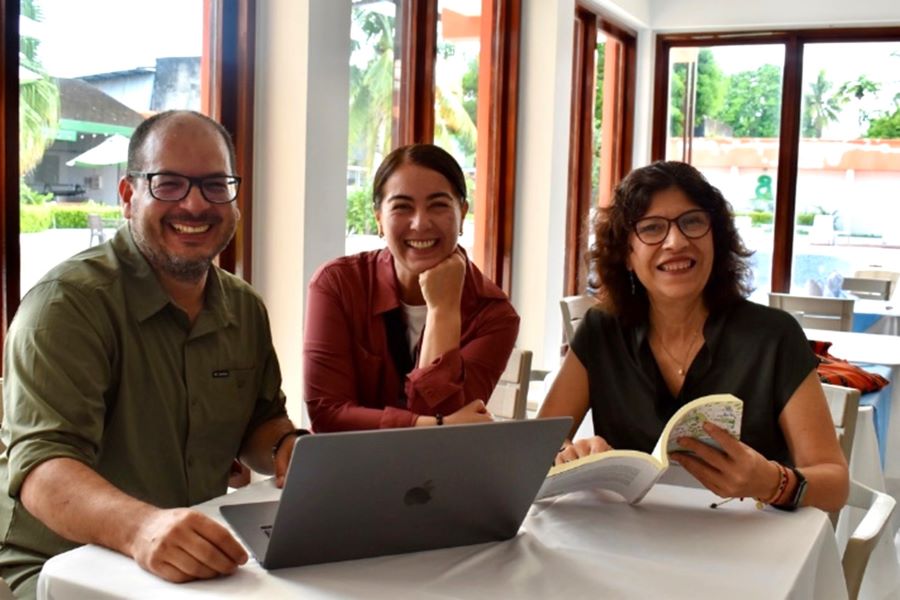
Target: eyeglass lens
[(174, 187), (653, 230)]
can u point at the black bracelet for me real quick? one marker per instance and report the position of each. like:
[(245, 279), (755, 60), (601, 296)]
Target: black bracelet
[(277, 445), (439, 418)]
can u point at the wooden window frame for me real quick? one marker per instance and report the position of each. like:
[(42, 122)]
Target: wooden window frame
[(791, 100), (230, 101), (497, 118), (617, 134)]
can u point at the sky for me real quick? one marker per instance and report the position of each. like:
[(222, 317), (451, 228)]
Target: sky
[(85, 37)]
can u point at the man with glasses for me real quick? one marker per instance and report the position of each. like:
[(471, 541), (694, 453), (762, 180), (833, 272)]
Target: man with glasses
[(135, 373)]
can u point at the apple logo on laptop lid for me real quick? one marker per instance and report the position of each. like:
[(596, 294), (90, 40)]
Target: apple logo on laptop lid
[(420, 494)]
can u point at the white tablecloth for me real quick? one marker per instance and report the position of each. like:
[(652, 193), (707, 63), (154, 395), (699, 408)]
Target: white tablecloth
[(672, 545)]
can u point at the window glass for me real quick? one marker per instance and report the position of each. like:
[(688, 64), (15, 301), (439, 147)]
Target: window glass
[(86, 81), (374, 84), (457, 73), (724, 118), (848, 179)]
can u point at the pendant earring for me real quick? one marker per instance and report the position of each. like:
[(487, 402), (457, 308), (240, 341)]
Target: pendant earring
[(631, 277)]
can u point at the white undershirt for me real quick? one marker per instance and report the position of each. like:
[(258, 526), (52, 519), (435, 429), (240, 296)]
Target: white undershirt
[(415, 323)]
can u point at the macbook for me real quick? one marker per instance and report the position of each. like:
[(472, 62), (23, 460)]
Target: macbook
[(359, 494)]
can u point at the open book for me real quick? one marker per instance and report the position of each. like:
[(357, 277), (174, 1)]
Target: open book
[(631, 473)]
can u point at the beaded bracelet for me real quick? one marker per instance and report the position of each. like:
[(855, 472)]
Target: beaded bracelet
[(782, 485)]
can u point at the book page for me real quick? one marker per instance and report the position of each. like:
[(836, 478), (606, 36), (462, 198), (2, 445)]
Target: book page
[(723, 410), (626, 472)]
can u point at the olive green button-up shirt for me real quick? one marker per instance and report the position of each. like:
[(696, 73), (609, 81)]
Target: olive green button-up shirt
[(101, 367)]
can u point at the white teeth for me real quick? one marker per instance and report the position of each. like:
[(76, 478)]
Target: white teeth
[(676, 266), (190, 229), (421, 244)]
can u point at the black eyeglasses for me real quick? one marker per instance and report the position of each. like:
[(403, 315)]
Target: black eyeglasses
[(693, 224), (174, 187)]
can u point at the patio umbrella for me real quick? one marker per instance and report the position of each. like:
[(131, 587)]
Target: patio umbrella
[(111, 151)]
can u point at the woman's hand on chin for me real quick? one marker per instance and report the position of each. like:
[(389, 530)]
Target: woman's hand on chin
[(442, 284)]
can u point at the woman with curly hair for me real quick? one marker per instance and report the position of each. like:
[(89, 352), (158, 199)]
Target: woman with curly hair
[(673, 324)]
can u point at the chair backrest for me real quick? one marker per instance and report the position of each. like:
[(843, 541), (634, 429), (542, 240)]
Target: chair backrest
[(843, 402), (863, 287), (95, 223), (573, 309), (816, 312), (509, 398), (879, 507), (892, 276)]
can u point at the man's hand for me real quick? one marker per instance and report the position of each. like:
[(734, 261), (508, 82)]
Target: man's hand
[(238, 474), (182, 545), (283, 458), (442, 284)]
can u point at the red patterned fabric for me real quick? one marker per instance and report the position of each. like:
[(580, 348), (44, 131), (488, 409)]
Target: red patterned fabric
[(838, 371)]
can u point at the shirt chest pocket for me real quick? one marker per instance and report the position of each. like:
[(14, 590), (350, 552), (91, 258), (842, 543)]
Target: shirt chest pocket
[(223, 410)]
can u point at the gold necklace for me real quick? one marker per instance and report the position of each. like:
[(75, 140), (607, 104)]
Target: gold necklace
[(682, 364)]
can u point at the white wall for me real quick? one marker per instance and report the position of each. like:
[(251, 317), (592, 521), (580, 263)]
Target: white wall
[(699, 15), (300, 127), (542, 174)]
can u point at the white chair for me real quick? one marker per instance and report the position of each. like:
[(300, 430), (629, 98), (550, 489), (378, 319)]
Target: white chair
[(872, 289), (835, 314), (508, 401), (875, 273), (879, 507), (843, 402), (573, 309)]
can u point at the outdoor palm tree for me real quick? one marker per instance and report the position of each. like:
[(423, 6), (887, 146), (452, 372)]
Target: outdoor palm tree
[(820, 109), (38, 99)]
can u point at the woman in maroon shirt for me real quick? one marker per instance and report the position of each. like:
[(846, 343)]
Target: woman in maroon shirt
[(414, 334)]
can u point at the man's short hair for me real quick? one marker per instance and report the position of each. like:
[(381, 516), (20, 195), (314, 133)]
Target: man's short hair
[(139, 137)]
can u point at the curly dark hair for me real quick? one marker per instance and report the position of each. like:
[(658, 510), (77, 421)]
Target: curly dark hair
[(730, 278), (429, 156)]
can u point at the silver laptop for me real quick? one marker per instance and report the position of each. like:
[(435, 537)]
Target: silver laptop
[(369, 493)]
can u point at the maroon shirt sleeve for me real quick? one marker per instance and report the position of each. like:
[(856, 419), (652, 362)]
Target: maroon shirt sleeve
[(330, 377), (469, 373)]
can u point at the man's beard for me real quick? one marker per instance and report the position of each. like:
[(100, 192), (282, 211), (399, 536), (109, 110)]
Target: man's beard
[(178, 267)]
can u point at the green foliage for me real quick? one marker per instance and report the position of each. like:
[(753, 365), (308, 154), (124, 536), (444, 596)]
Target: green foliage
[(470, 90), (29, 196), (753, 102), (38, 99), (75, 215), (360, 215), (371, 88), (820, 108), (806, 218), (886, 126), (34, 218), (710, 92)]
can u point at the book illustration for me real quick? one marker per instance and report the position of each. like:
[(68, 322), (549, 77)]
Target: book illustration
[(726, 415)]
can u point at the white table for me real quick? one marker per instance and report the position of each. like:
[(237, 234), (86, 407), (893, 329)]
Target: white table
[(888, 312), (672, 545)]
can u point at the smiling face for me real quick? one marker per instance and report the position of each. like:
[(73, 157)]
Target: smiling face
[(678, 268), (420, 216), (180, 239)]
